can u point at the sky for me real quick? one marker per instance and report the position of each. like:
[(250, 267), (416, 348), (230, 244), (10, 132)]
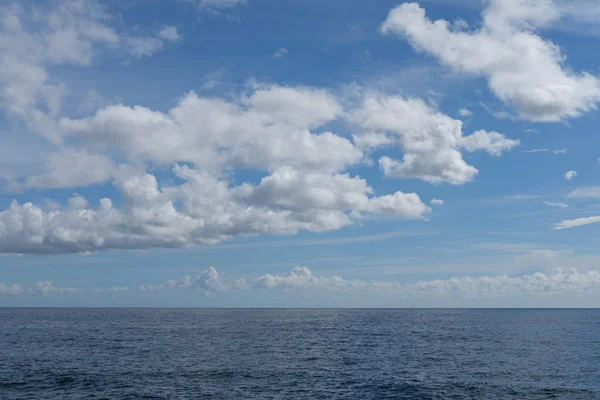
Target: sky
[(233, 153)]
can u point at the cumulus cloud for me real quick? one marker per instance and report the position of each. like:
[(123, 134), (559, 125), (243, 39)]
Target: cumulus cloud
[(522, 69), (170, 33), (431, 141), (570, 175), (437, 202), (208, 280), (66, 34), (302, 278), (487, 286), (559, 151), (10, 289), (574, 223), (72, 168), (280, 133), (274, 130), (43, 288)]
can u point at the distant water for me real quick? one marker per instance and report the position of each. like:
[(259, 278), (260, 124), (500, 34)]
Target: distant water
[(299, 354)]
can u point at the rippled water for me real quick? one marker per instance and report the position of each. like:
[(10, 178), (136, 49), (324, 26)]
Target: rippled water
[(299, 354)]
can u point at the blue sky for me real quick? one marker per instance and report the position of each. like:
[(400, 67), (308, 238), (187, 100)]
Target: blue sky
[(299, 153)]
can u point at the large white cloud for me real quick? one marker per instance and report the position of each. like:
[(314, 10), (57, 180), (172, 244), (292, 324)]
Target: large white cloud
[(262, 161), (272, 130), (431, 141), (209, 211), (522, 69)]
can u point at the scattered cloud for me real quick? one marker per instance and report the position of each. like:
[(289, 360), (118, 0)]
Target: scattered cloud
[(437, 202), (10, 289), (217, 6), (170, 34), (568, 224), (146, 46), (208, 280), (536, 151), (465, 287), (282, 52), (522, 69), (431, 141), (522, 197), (118, 289), (301, 278), (560, 151), (43, 288), (463, 112), (570, 175), (589, 192), (556, 204)]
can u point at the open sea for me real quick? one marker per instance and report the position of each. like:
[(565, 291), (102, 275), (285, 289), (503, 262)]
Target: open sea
[(299, 354)]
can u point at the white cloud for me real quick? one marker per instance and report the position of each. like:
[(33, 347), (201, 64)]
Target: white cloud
[(43, 288), (576, 223), (372, 140), (31, 41), (536, 151), (463, 112), (556, 204), (220, 3), (276, 131), (559, 151), (269, 129), (437, 202), (146, 46), (430, 140), (492, 142), (118, 289), (522, 69), (72, 168), (465, 287), (570, 175), (282, 52), (208, 280), (589, 192), (170, 33), (10, 289)]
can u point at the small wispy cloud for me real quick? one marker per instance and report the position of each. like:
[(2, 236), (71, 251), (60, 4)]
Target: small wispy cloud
[(463, 112), (556, 204), (536, 151), (570, 175), (589, 192), (574, 223), (282, 52)]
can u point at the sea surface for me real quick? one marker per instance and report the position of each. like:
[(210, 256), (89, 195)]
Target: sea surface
[(299, 354)]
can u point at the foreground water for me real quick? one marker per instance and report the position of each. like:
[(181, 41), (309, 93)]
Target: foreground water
[(299, 354)]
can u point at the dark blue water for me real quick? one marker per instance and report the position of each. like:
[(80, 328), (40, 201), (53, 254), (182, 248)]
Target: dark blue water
[(299, 354)]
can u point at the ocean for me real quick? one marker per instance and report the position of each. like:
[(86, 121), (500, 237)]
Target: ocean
[(299, 354)]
